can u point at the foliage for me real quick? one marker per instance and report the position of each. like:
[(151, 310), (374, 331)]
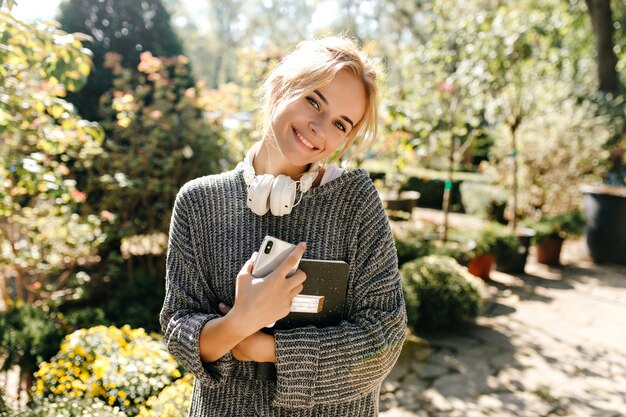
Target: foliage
[(465, 244), (28, 335), (561, 225), (557, 146), (157, 139), (173, 401), (482, 199), (412, 248), (121, 366), (136, 302), (494, 238), (43, 239), (542, 61), (214, 36), (4, 408), (439, 293), (75, 318), (237, 104), (501, 240), (127, 28), (71, 407), (459, 249)]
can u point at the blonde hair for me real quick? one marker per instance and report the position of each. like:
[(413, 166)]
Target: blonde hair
[(314, 64)]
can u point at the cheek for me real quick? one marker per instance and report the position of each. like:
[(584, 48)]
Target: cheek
[(335, 141)]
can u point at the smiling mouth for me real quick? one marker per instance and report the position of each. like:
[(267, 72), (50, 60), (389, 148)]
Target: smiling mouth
[(304, 141)]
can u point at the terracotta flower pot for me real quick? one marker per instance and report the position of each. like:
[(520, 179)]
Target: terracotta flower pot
[(480, 266), (549, 251)]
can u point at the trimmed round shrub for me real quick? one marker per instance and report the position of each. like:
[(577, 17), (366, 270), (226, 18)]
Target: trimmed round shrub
[(173, 401), (439, 293), (71, 407), (121, 366), (412, 248)]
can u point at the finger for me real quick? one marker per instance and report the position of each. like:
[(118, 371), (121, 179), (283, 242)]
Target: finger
[(224, 308), (249, 265), (295, 291), (296, 279), (292, 260)]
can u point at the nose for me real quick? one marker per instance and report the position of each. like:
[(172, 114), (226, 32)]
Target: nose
[(316, 127)]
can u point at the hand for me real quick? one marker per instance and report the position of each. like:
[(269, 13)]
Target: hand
[(258, 347), (261, 301)]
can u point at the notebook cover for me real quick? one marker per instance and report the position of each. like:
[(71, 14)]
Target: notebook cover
[(327, 278)]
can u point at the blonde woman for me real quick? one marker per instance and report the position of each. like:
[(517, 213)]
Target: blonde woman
[(320, 102)]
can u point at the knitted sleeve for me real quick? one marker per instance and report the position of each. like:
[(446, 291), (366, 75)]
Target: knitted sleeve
[(185, 310), (345, 362)]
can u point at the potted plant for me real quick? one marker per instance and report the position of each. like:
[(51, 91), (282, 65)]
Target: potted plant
[(552, 230), (510, 248), (605, 209), (482, 252)]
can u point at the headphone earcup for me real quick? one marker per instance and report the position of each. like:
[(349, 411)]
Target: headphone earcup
[(259, 194), (283, 195)]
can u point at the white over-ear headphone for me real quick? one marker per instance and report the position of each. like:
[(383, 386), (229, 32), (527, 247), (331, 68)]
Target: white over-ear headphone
[(275, 193)]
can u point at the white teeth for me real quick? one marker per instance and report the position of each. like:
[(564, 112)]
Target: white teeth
[(306, 142)]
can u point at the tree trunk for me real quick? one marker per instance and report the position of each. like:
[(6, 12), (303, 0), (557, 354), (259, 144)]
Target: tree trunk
[(513, 222), (602, 23), (447, 191)]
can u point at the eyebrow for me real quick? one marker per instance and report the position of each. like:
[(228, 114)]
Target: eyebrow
[(346, 118)]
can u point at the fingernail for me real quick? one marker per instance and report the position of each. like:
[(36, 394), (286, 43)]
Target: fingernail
[(222, 306)]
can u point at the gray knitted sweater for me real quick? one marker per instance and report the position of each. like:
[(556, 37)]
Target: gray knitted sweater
[(332, 371)]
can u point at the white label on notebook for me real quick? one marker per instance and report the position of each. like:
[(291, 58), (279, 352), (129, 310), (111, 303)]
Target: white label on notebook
[(307, 303)]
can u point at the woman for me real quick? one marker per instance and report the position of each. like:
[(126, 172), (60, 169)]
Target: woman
[(319, 102)]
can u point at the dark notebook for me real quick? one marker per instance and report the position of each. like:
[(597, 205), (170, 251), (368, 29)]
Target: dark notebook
[(324, 278)]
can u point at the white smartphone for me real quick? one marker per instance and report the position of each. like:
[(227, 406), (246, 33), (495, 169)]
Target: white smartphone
[(272, 253)]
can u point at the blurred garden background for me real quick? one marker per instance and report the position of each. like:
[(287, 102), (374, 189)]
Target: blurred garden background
[(500, 110)]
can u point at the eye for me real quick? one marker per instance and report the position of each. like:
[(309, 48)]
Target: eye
[(313, 103), (340, 126)]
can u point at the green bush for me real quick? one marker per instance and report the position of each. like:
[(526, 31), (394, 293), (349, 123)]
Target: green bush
[(157, 138), (136, 302), (43, 146), (28, 335), (121, 366), (124, 27), (71, 407), (439, 293), (412, 248), (82, 317), (459, 250), (561, 225)]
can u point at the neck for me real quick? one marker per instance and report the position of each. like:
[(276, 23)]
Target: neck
[(269, 160)]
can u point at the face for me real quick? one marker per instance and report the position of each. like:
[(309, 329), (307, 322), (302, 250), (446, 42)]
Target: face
[(320, 122)]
